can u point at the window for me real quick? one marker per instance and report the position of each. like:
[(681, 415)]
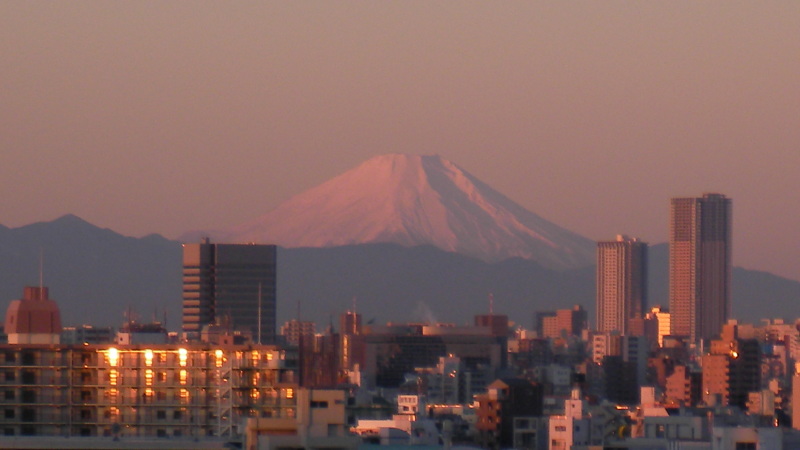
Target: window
[(561, 428), (9, 395), (161, 414), (28, 358), (28, 396), (10, 375), (325, 405), (9, 414), (28, 415), (28, 377)]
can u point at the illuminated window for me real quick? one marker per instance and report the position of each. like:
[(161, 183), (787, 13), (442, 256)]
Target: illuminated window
[(183, 355), (113, 356), (254, 394), (112, 377), (289, 393), (254, 356), (269, 356), (182, 376), (184, 395), (148, 377), (148, 357), (220, 357)]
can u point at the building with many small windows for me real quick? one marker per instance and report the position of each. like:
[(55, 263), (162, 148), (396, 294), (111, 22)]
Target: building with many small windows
[(231, 285), (621, 284), (142, 391)]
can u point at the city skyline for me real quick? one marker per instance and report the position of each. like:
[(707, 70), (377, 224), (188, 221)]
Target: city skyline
[(570, 109)]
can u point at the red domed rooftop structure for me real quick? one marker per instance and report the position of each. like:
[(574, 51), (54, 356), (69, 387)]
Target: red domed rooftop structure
[(33, 319)]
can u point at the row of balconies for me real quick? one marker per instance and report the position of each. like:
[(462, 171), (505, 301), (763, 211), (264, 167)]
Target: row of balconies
[(130, 415), (141, 400), (126, 378)]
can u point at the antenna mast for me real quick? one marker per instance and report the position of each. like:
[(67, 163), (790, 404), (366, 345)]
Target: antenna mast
[(259, 313), (41, 268)]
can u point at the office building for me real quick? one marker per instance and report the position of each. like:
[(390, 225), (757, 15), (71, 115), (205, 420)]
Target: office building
[(657, 325), (230, 284), (621, 283), (394, 350), (352, 341), (560, 323), (295, 330), (699, 265)]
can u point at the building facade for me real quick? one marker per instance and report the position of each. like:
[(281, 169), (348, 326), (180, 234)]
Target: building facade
[(561, 323), (187, 391), (621, 283), (699, 265), (232, 284)]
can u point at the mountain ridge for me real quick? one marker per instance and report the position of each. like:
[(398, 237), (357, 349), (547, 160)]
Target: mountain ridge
[(96, 274)]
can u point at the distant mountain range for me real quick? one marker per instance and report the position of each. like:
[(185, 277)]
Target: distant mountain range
[(404, 237), (413, 200), (96, 275)]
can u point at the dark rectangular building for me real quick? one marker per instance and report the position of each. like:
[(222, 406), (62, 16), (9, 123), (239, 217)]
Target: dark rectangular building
[(230, 284)]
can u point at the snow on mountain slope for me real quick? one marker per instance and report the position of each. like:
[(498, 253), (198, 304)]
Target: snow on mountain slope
[(415, 200)]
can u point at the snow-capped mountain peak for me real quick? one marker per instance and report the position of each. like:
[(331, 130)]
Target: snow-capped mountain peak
[(415, 200)]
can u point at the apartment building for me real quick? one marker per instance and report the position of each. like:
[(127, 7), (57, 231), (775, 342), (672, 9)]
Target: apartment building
[(142, 390)]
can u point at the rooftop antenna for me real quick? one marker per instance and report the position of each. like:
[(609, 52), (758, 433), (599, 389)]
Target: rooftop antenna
[(491, 304), (259, 313), (299, 303), (41, 269)]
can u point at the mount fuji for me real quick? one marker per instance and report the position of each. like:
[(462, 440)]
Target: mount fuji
[(414, 200)]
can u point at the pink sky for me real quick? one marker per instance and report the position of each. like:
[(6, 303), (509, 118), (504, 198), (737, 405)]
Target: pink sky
[(169, 116)]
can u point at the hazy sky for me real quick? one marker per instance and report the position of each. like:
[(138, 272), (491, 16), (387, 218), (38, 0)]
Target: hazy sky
[(169, 116)]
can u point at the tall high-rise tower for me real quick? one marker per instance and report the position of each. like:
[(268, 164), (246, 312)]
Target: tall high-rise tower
[(699, 265), (621, 283), (230, 283)]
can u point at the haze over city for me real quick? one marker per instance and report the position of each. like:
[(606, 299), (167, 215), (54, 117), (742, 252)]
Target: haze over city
[(168, 117)]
